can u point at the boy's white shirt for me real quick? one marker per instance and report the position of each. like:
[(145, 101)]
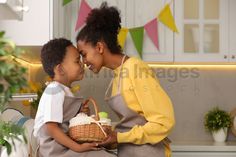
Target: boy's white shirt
[(50, 108)]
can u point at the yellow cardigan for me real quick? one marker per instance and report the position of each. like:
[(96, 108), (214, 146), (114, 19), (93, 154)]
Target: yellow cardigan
[(142, 93)]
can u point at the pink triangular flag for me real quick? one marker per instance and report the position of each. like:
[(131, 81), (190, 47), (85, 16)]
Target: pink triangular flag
[(84, 10), (151, 29)]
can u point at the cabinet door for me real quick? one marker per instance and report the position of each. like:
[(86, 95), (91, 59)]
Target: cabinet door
[(203, 27), (65, 17), (140, 12), (232, 30), (203, 154), (35, 28)]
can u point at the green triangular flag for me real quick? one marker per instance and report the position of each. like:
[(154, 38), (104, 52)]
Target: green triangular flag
[(66, 2), (137, 37)]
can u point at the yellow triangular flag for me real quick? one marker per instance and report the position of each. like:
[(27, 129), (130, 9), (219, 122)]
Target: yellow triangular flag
[(122, 36), (167, 18)]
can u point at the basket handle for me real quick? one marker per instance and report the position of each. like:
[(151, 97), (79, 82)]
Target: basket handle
[(96, 113), (95, 107)]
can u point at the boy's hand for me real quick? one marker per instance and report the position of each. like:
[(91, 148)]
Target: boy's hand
[(87, 147), (85, 108)]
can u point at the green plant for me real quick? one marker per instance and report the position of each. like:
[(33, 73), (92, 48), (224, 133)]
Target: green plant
[(216, 119), (11, 81)]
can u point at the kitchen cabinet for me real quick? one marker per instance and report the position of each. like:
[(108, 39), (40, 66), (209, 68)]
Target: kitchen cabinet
[(206, 27), (232, 30), (203, 149), (65, 17), (140, 13), (11, 9), (133, 14), (207, 31), (36, 27)]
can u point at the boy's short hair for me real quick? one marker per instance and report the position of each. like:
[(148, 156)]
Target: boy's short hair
[(53, 53)]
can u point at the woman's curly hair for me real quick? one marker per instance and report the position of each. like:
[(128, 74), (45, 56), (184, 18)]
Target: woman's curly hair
[(102, 24)]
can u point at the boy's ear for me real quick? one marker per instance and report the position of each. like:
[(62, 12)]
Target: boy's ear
[(100, 47), (59, 70)]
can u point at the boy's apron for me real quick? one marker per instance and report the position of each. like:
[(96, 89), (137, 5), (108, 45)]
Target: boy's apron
[(50, 148), (129, 119)]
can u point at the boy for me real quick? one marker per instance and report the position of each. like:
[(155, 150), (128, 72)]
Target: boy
[(61, 61)]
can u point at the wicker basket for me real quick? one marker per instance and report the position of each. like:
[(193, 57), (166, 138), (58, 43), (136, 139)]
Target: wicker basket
[(93, 132)]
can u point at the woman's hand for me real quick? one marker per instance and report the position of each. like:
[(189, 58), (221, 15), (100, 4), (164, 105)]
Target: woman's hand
[(111, 139), (85, 108), (87, 147)]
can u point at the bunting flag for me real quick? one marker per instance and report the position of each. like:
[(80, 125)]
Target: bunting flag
[(65, 2), (137, 37), (167, 18), (122, 36), (151, 29), (84, 10)]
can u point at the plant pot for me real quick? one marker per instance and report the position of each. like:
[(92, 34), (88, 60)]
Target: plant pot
[(19, 150), (220, 135)]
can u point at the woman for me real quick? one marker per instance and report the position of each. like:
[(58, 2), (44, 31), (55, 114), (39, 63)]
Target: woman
[(145, 110)]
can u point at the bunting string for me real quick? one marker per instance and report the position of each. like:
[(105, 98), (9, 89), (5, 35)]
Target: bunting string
[(151, 28)]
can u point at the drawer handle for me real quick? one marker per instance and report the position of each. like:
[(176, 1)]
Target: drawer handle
[(22, 8)]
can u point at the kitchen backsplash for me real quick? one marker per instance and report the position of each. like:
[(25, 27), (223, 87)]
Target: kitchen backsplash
[(193, 91)]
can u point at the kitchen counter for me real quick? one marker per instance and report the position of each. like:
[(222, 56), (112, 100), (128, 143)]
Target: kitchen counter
[(203, 146), (203, 149)]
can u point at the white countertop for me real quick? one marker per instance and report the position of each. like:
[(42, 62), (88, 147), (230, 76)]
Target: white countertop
[(202, 146), (23, 96)]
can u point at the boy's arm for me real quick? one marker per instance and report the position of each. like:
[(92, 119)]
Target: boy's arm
[(56, 133)]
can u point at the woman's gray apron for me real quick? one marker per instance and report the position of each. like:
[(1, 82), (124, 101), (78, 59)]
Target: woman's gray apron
[(50, 148), (129, 119)]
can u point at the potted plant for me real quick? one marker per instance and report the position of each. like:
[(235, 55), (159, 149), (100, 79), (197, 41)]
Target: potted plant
[(217, 122), (11, 81)]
